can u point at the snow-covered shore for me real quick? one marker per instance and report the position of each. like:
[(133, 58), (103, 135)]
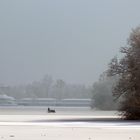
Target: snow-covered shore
[(70, 124), (37, 132)]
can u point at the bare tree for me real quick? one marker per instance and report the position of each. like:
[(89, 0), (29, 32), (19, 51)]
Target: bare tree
[(128, 70)]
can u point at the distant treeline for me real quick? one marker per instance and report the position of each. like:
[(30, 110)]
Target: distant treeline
[(100, 92), (47, 88)]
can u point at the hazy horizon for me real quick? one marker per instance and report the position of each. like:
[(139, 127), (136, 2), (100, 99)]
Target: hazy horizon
[(70, 40)]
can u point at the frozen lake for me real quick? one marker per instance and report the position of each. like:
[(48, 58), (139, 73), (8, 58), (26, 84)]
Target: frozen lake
[(41, 110), (64, 116), (20, 123)]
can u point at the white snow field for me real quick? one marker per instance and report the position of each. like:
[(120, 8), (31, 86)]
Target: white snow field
[(34, 123)]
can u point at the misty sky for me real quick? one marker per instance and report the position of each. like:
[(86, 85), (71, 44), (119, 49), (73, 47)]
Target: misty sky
[(69, 39)]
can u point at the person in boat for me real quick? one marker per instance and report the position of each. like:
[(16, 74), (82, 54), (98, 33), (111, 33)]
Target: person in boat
[(51, 110)]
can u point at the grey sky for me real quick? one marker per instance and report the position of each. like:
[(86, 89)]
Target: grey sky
[(69, 39)]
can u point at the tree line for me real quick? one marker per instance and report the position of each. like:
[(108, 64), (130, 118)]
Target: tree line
[(47, 88)]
